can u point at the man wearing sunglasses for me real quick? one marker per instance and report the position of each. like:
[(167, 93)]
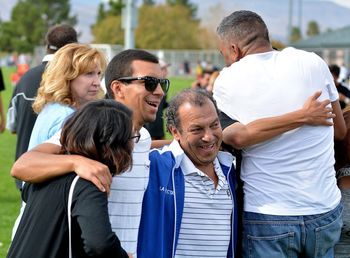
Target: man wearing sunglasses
[(134, 78)]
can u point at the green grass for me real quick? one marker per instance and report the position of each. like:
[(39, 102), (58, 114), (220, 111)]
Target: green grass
[(9, 195), (176, 85)]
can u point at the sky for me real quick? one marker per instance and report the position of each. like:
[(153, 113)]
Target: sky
[(274, 12)]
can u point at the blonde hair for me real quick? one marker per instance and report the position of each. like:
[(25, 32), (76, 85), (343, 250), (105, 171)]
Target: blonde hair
[(67, 64)]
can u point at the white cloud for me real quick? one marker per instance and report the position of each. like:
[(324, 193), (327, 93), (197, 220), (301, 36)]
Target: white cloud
[(6, 7), (345, 3)]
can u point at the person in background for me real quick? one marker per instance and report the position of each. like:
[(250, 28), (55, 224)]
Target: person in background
[(291, 200), (212, 79), (71, 79), (344, 92), (20, 115), (343, 74), (198, 69), (156, 128), (2, 112), (187, 68), (342, 167), (43, 230), (202, 82)]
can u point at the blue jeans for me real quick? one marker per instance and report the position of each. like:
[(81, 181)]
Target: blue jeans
[(270, 236)]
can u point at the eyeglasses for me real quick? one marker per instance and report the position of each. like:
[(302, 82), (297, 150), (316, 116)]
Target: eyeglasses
[(135, 138), (151, 83)]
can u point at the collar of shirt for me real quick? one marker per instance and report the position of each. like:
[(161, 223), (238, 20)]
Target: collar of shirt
[(189, 168), (47, 58)]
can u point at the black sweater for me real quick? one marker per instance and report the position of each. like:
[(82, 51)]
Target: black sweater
[(43, 230)]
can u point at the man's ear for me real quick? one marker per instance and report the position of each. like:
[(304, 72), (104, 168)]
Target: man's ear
[(235, 52), (117, 89), (174, 132)]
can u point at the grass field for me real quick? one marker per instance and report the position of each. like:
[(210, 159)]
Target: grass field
[(9, 195)]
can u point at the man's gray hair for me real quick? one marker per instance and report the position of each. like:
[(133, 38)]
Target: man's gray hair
[(194, 97), (243, 26)]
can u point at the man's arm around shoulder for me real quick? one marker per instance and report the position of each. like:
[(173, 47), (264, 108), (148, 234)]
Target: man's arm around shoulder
[(44, 162)]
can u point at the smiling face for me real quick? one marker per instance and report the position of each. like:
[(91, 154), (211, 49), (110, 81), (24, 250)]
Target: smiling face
[(86, 86), (200, 134), (134, 94)]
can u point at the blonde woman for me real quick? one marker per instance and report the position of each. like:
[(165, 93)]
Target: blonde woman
[(71, 79)]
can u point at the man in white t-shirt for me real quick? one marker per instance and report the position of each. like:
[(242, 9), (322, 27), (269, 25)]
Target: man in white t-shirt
[(134, 78), (291, 199)]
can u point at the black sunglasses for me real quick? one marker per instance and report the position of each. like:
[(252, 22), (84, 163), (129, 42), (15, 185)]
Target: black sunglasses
[(151, 83)]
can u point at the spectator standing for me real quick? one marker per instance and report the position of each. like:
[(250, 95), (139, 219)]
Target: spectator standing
[(187, 68), (20, 115), (62, 91), (344, 92), (212, 79), (343, 74), (198, 69), (202, 81), (288, 180), (2, 112), (342, 166), (71, 79)]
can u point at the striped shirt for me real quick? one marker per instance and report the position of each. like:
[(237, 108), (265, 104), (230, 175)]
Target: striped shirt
[(206, 222), (125, 199)]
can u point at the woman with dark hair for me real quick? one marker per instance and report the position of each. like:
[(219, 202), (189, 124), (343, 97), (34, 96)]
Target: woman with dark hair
[(101, 130)]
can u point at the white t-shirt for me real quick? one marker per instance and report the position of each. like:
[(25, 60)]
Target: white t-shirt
[(127, 190), (291, 174)]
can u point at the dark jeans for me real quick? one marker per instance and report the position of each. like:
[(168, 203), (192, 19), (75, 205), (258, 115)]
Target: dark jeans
[(270, 236)]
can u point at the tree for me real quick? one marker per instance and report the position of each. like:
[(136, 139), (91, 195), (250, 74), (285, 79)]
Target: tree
[(295, 35), (101, 13), (30, 20), (6, 37), (109, 31), (277, 44), (115, 7), (208, 38), (185, 3), (167, 27), (312, 29), (104, 31), (148, 2)]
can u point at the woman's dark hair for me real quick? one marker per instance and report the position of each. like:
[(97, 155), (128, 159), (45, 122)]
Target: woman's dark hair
[(100, 130)]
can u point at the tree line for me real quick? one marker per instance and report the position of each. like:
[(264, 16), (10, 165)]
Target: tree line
[(172, 25)]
